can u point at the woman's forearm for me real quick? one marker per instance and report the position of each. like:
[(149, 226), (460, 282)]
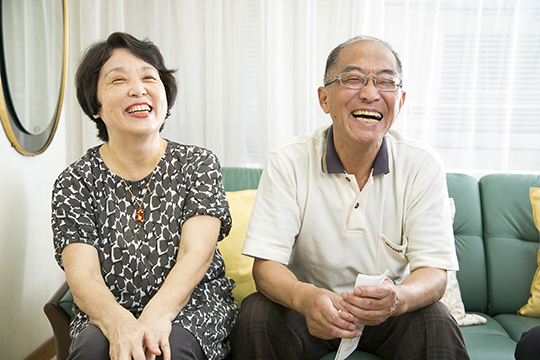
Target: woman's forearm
[(196, 250), (90, 293)]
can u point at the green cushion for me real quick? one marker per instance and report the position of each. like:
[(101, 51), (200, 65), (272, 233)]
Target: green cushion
[(489, 346), (237, 178), (509, 287), (515, 325), (472, 275), (509, 235), (66, 303), (491, 327), (488, 341)]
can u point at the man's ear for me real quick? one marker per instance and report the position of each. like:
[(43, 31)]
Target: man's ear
[(402, 100), (323, 99)]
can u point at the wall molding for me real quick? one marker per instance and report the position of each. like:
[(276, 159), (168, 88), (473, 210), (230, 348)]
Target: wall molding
[(47, 351)]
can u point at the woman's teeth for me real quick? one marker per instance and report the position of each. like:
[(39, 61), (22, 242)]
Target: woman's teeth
[(137, 109)]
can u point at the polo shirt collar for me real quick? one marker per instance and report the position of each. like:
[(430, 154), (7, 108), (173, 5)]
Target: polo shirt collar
[(331, 164)]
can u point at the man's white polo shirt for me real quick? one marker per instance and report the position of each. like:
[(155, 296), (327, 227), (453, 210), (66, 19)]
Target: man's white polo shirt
[(311, 216)]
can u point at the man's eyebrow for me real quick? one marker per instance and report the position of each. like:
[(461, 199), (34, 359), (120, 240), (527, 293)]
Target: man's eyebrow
[(359, 69)]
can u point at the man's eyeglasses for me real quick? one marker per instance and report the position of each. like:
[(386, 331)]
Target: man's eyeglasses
[(357, 80)]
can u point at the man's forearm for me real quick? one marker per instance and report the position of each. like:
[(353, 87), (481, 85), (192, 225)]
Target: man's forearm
[(279, 284), (421, 288)]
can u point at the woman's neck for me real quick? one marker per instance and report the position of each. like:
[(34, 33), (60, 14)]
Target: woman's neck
[(132, 159)]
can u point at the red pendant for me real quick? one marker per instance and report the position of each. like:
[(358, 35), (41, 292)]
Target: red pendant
[(139, 215)]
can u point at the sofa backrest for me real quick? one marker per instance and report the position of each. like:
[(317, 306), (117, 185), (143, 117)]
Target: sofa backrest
[(511, 239), (472, 274), (238, 178)]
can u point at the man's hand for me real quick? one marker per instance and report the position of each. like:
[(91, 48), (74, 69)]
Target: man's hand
[(370, 305), (322, 312), (321, 307)]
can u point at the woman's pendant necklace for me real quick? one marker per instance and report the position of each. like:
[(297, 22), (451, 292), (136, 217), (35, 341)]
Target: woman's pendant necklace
[(139, 213)]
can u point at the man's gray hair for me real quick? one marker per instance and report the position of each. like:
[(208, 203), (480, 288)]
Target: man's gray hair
[(334, 54)]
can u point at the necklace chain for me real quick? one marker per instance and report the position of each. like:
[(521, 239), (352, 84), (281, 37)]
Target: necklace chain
[(126, 184)]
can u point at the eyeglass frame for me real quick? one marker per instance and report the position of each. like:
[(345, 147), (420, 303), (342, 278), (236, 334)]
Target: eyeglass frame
[(374, 78)]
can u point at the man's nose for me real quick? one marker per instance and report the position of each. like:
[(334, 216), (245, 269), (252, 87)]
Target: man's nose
[(369, 92)]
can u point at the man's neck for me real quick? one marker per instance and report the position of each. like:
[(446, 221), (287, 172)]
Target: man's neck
[(358, 160)]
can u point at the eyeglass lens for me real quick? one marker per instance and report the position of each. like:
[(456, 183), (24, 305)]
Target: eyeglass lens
[(355, 80)]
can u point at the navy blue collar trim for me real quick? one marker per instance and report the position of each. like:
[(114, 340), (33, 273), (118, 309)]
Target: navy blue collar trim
[(331, 164)]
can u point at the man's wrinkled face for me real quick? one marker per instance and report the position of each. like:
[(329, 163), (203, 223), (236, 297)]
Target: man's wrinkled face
[(362, 117)]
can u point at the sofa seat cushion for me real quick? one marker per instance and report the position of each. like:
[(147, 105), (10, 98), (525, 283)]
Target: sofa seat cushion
[(488, 341), (489, 346), (491, 327), (515, 325)]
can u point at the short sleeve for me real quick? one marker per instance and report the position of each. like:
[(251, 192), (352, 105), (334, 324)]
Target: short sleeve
[(271, 234), (205, 194), (427, 225), (72, 218)]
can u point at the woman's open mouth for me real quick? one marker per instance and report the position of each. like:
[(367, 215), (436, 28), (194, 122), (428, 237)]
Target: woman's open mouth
[(139, 109)]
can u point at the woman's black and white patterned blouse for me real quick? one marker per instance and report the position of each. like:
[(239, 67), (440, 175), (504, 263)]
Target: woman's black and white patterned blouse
[(91, 205)]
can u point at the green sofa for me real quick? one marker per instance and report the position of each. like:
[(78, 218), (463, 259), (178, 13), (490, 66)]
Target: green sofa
[(496, 243)]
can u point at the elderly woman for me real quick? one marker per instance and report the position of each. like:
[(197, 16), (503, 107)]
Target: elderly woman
[(136, 220)]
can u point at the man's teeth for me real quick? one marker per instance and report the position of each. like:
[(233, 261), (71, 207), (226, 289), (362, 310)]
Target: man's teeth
[(368, 117), (368, 121), (139, 109)]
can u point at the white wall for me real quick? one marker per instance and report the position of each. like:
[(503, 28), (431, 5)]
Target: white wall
[(29, 274)]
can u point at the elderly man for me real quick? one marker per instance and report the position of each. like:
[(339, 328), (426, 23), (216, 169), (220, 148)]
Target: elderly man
[(354, 197)]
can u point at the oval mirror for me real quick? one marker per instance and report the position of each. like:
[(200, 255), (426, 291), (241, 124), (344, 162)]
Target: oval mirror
[(33, 56)]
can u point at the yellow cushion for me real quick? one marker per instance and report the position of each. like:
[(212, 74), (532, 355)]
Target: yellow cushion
[(238, 266), (532, 308)]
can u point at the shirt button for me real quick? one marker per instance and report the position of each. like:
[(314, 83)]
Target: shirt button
[(348, 180), (356, 205)]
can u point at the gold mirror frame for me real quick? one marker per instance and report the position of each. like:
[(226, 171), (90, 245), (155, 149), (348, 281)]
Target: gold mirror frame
[(25, 143)]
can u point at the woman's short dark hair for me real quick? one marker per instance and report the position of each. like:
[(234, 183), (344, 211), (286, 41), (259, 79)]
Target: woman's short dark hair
[(87, 75)]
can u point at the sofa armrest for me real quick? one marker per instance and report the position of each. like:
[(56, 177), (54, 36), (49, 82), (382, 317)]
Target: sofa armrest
[(59, 320)]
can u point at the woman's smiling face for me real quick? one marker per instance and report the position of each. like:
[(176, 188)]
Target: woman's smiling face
[(362, 116), (131, 95)]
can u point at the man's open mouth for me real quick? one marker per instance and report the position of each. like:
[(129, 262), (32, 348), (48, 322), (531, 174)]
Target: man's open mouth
[(368, 117), (139, 109)]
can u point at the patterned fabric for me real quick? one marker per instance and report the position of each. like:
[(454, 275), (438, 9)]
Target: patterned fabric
[(91, 205)]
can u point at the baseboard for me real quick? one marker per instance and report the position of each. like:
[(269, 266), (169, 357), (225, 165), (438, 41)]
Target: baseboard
[(45, 352)]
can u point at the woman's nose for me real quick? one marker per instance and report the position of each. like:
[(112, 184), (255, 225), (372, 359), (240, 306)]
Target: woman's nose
[(137, 89)]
